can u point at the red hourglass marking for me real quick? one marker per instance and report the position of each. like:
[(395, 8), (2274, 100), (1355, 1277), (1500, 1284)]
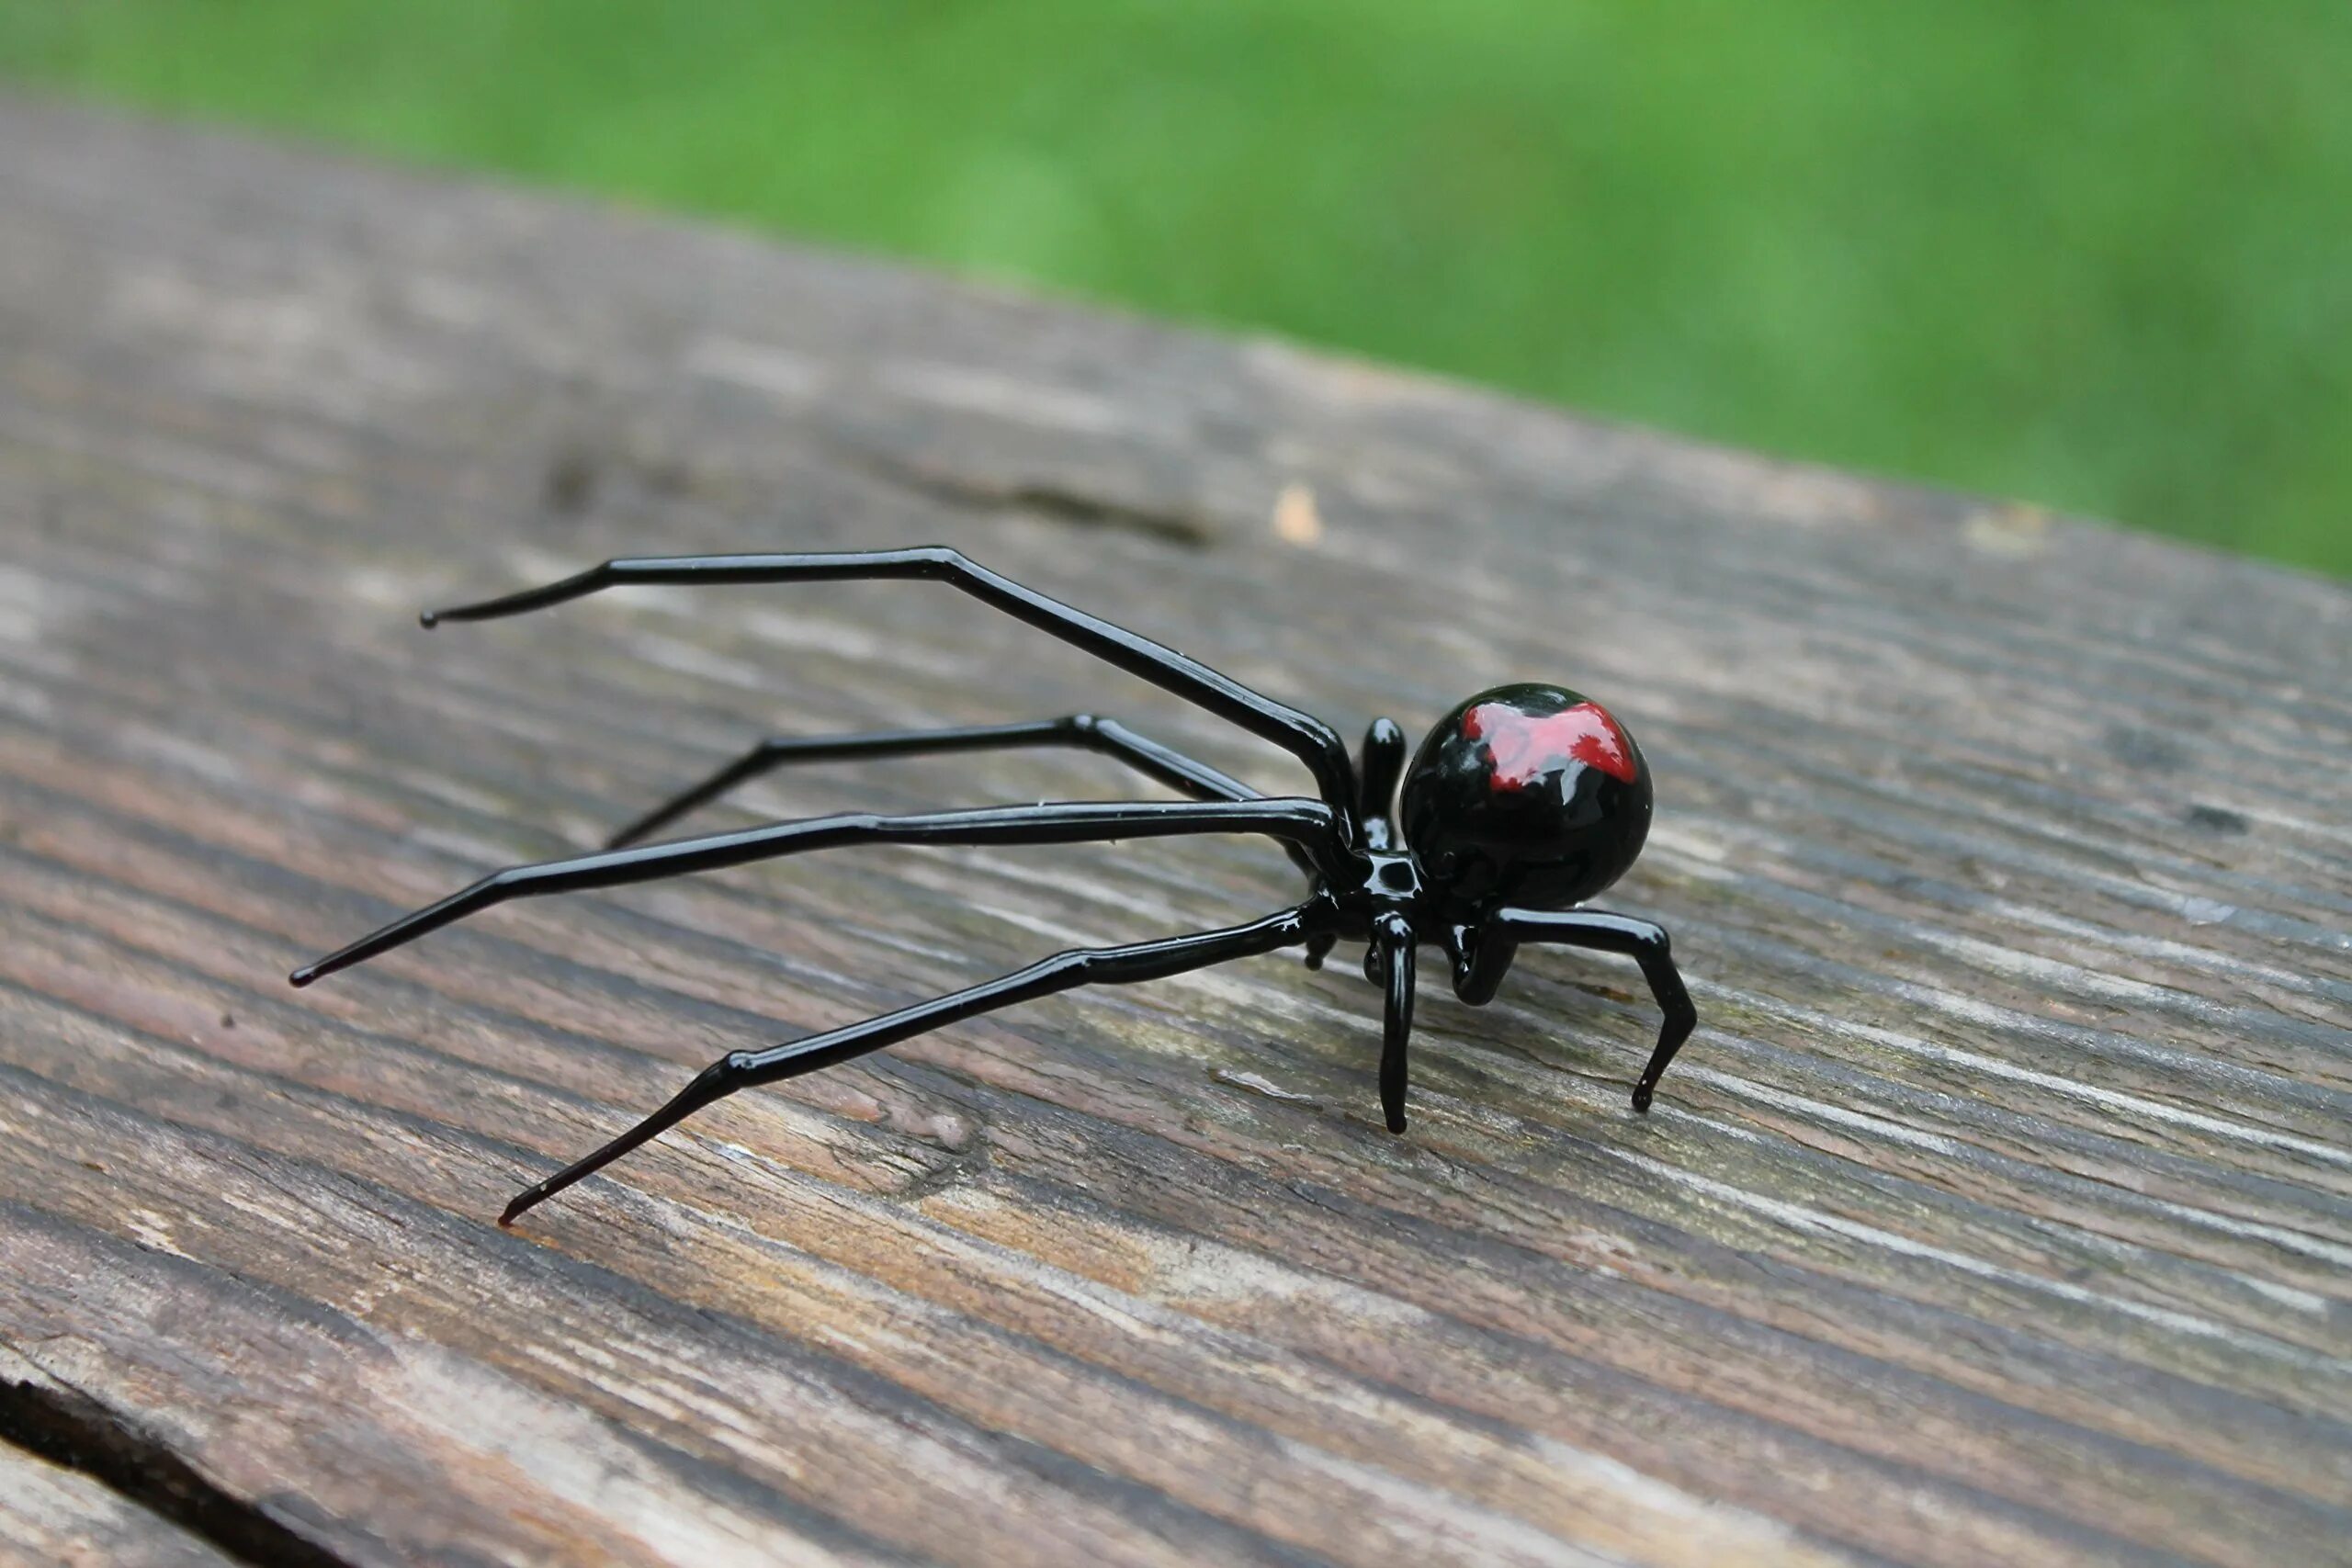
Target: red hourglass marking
[(1526, 747)]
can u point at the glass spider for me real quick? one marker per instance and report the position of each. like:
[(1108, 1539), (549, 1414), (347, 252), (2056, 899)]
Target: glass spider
[(1524, 801)]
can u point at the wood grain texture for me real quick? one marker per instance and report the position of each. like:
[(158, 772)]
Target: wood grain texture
[(2001, 1209), (52, 1517)]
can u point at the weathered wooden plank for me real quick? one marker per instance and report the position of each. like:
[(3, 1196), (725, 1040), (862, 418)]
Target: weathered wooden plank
[(2002, 1208), (52, 1517), (81, 1482)]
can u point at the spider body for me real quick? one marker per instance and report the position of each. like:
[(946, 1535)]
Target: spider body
[(1523, 802), (1532, 795)]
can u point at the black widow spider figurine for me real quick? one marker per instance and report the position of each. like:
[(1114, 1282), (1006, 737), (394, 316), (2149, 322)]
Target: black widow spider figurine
[(1524, 801)]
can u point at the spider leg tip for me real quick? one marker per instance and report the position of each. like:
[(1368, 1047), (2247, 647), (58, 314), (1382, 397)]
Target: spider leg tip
[(428, 619), (304, 975), (1642, 1099)]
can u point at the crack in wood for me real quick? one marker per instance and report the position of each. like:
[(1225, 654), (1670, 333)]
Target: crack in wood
[(1059, 502), (68, 1428)]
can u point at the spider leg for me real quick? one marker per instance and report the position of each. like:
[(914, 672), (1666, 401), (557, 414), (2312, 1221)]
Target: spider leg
[(1106, 736), (1081, 966), (1305, 735), (1393, 940), (1642, 940), (1307, 823), (1380, 764)]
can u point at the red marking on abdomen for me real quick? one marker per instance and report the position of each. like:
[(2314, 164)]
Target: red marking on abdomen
[(1527, 746)]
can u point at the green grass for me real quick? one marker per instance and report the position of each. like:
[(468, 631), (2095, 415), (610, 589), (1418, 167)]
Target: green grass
[(2094, 254)]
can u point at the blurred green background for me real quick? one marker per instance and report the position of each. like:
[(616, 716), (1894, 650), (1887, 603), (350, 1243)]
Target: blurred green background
[(2097, 254)]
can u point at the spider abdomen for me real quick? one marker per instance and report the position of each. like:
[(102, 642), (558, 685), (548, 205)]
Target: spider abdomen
[(1530, 793)]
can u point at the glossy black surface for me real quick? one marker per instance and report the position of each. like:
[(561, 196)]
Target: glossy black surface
[(1523, 801), (1305, 735), (1307, 823), (1107, 737), (1081, 967), (1500, 806)]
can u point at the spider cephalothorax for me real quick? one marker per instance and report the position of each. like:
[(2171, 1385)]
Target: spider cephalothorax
[(1524, 801)]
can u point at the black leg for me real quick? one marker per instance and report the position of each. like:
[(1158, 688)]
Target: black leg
[(1642, 940), (1392, 937), (1307, 823), (1082, 966), (1380, 762), (1305, 735), (1084, 730)]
